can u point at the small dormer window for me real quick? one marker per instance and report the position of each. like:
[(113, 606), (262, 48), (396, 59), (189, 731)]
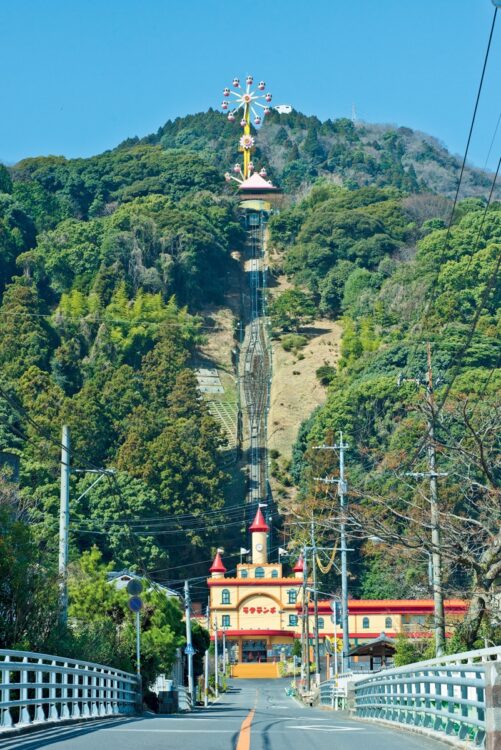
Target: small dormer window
[(259, 573), (274, 573)]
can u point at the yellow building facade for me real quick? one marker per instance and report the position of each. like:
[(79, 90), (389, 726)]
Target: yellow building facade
[(256, 609), (259, 610)]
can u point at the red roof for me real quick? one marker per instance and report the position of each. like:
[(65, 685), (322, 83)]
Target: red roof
[(299, 566), (217, 565), (402, 606), (259, 633), (254, 582), (259, 524)]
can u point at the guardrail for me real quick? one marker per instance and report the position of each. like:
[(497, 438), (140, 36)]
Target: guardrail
[(332, 694), (38, 688), (450, 696), (184, 699)]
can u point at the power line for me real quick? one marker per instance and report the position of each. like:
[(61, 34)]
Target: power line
[(174, 518), (431, 291), (118, 321), (471, 332), (492, 141), (159, 532)]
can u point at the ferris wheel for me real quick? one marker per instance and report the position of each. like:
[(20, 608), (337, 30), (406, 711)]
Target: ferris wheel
[(244, 103)]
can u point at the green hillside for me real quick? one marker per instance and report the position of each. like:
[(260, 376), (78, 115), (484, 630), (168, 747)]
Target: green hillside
[(385, 264), (106, 266), (297, 149)]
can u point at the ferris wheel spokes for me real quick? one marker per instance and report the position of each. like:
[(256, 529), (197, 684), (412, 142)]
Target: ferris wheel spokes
[(244, 102)]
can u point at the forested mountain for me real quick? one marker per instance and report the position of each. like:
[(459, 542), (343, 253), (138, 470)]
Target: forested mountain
[(297, 149), (106, 266), (385, 263)]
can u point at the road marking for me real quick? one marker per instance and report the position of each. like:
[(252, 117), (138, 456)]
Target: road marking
[(177, 731), (331, 728), (245, 732)]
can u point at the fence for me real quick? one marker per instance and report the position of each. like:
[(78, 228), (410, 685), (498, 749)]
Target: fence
[(332, 694), (443, 696), (37, 688)]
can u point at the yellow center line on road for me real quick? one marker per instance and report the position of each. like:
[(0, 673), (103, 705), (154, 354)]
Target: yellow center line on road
[(245, 730)]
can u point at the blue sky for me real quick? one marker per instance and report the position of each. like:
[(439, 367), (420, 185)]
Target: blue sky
[(79, 76)]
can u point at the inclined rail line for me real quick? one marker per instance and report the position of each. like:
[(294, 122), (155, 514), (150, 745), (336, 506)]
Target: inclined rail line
[(257, 369)]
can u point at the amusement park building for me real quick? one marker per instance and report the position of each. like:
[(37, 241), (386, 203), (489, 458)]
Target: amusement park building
[(259, 609)]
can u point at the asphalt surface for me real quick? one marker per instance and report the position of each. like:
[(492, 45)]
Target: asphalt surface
[(253, 715)]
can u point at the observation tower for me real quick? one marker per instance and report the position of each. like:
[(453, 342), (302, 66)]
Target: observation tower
[(249, 104)]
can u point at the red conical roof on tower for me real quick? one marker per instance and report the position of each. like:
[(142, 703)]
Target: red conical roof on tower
[(299, 566), (217, 565), (259, 524)]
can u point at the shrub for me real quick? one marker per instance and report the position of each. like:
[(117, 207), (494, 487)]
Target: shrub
[(291, 342), (326, 374)]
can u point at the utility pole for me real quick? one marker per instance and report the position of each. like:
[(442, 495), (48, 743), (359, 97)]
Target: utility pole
[(64, 522), (315, 603), (224, 652), (306, 620), (216, 659), (206, 661), (341, 487), (64, 516), (189, 645), (436, 553)]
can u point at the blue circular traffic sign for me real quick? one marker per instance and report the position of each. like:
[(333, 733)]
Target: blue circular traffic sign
[(135, 603)]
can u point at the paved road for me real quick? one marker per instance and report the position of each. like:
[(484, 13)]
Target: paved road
[(254, 715)]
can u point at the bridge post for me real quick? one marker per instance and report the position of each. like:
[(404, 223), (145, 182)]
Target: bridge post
[(493, 705), (350, 697)]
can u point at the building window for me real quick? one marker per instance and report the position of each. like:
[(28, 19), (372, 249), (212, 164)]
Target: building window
[(388, 623), (292, 594), (321, 623), (259, 573), (243, 574), (225, 621), (293, 620), (225, 597), (365, 622), (274, 573)]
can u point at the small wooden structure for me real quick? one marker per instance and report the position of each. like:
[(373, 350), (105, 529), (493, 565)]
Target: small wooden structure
[(381, 648)]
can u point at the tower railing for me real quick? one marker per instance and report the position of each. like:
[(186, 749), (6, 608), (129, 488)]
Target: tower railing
[(37, 688)]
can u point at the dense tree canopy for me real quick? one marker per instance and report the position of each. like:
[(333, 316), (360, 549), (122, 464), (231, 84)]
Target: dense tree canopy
[(107, 268)]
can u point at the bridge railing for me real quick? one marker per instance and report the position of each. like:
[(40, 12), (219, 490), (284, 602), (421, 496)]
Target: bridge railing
[(441, 696), (37, 688), (332, 694)]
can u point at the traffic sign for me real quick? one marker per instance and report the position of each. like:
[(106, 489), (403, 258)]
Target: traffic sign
[(189, 651), (134, 587), (135, 603)]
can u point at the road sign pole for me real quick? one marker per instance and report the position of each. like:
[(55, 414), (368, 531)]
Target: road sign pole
[(134, 588), (206, 661), (189, 646), (216, 659), (138, 645), (138, 662)]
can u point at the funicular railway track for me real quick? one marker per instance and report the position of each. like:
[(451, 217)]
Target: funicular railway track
[(256, 369)]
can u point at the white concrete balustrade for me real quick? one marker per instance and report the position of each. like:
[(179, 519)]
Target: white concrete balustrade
[(38, 688)]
